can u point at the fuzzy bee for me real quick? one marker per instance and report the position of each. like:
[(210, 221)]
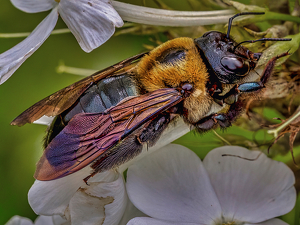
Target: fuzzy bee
[(106, 118)]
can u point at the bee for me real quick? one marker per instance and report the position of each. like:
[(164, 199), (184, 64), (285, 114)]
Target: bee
[(104, 120)]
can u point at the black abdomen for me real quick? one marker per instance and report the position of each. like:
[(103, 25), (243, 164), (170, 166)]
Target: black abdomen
[(99, 97)]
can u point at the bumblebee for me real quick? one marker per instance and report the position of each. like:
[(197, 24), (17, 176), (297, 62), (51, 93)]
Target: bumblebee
[(106, 118)]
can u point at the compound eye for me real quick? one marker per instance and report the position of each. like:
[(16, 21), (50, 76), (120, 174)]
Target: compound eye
[(235, 64)]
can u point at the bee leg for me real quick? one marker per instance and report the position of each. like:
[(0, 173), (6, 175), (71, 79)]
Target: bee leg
[(255, 86), (232, 96), (88, 177), (223, 119), (132, 145)]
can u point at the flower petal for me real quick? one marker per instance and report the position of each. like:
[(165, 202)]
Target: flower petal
[(130, 212), (162, 17), (44, 220), (44, 120), (33, 6), (58, 220), (19, 220), (92, 22), (250, 191), (151, 221), (270, 222), (99, 203), (13, 58), (53, 197), (172, 185)]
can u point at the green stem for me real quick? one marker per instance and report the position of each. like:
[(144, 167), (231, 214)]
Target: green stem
[(223, 139), (281, 16), (62, 68), (276, 131), (26, 34)]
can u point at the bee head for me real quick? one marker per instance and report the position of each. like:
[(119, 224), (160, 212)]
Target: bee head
[(229, 60)]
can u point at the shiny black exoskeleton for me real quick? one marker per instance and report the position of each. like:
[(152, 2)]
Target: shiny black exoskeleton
[(229, 64), (99, 97)]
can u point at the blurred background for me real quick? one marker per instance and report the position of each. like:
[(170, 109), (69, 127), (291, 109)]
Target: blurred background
[(21, 147)]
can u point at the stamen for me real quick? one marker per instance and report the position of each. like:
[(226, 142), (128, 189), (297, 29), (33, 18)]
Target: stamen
[(58, 1)]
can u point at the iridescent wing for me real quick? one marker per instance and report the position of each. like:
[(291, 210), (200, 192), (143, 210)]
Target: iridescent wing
[(88, 137), (58, 102)]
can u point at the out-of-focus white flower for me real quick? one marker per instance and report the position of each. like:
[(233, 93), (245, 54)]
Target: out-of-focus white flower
[(173, 186), (41, 220), (92, 22), (103, 200)]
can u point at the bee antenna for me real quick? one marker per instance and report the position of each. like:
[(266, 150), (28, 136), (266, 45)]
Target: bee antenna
[(263, 39), (240, 14)]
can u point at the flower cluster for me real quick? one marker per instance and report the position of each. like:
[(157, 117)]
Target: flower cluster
[(93, 22), (77, 14), (173, 186)]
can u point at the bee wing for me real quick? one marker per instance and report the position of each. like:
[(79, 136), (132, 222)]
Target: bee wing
[(88, 136), (61, 100)]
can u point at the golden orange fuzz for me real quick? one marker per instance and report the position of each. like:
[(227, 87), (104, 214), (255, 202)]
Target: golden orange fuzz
[(152, 74)]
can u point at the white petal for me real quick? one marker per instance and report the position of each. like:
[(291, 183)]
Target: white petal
[(44, 220), (270, 222), (53, 197), (13, 58), (44, 120), (151, 221), (92, 22), (172, 185), (99, 203), (250, 191), (162, 17), (58, 220), (33, 6), (19, 220), (130, 212)]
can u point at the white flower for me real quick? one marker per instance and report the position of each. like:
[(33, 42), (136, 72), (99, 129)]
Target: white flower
[(104, 199), (92, 22), (41, 220), (173, 186)]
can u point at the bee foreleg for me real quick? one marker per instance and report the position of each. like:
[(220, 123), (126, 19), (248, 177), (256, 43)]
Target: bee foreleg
[(232, 96), (88, 177), (222, 119)]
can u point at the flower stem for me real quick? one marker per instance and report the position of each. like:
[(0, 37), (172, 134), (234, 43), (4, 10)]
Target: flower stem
[(278, 129), (163, 17), (223, 139), (281, 16), (62, 68), (26, 34)]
